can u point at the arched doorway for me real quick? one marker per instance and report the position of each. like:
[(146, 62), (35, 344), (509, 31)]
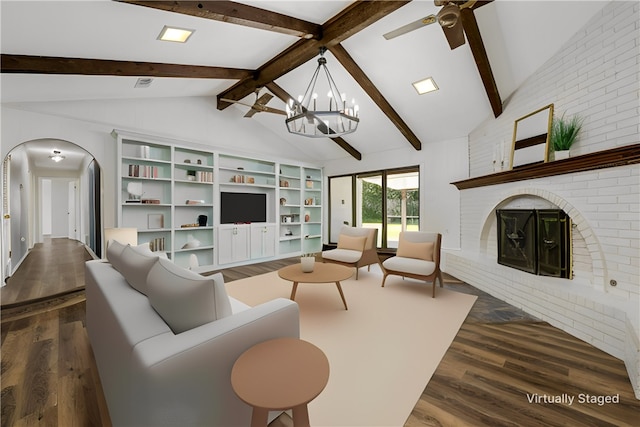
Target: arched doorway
[(51, 189)]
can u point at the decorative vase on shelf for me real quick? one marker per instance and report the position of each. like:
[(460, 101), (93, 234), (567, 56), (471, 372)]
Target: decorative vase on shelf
[(191, 243), (193, 262), (306, 263), (561, 154)]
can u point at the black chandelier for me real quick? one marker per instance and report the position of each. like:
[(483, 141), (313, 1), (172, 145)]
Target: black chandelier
[(303, 117)]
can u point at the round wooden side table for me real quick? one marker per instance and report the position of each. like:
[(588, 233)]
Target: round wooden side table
[(280, 374), (322, 273)]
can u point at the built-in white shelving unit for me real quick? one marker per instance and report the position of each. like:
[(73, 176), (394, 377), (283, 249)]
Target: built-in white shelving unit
[(312, 210), (290, 203), (172, 194)]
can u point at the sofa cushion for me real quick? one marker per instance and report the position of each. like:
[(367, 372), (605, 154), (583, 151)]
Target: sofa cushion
[(352, 243), (135, 264), (342, 255), (409, 265), (185, 299), (418, 250)]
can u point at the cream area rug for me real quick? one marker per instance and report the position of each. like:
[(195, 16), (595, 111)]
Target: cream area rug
[(382, 351)]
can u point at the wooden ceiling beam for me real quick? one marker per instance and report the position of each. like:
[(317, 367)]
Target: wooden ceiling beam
[(356, 72), (238, 13), (480, 56), (278, 91), (26, 64), (351, 20)]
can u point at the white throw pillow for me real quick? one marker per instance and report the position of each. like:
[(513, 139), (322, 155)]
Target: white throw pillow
[(185, 299)]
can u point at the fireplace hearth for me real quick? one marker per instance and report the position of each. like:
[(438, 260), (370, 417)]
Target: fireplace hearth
[(537, 241)]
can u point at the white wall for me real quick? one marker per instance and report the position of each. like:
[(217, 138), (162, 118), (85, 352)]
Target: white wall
[(440, 164), (595, 75)]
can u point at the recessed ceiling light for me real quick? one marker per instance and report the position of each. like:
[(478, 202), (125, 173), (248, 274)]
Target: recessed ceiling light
[(425, 86), (175, 34)]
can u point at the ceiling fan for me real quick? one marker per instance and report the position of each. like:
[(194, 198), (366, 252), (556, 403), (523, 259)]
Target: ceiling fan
[(259, 106), (448, 17)]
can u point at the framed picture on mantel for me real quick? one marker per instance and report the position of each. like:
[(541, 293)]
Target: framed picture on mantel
[(531, 135)]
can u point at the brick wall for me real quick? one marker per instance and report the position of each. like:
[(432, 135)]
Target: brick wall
[(594, 75)]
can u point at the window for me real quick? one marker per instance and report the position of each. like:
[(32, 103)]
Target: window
[(388, 200)]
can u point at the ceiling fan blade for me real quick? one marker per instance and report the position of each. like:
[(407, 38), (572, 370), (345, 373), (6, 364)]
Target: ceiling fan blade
[(251, 113), (454, 35), (236, 102), (264, 99), (410, 27), (266, 109)]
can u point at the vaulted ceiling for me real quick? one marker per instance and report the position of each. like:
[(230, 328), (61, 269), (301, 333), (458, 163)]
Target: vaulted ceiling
[(61, 51)]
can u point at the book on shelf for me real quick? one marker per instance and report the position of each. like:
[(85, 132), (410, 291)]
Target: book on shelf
[(143, 171), (157, 244)]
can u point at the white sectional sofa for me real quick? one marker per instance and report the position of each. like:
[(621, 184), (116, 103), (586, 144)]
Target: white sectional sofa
[(153, 375)]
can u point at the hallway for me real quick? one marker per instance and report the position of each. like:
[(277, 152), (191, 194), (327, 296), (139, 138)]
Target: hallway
[(52, 268)]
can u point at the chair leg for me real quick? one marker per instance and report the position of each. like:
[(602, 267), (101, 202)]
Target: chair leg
[(384, 278), (440, 278), (357, 269)]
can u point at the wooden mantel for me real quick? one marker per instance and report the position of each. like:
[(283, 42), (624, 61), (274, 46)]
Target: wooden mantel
[(614, 157)]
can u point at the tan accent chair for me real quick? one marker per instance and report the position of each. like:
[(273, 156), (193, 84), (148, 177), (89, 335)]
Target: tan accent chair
[(418, 257), (356, 248)]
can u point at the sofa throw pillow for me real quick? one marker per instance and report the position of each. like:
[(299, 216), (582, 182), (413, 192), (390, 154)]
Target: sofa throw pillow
[(354, 243), (185, 299), (114, 253), (421, 250), (135, 264)]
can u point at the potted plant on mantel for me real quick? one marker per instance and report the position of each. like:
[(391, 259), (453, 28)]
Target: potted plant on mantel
[(563, 135)]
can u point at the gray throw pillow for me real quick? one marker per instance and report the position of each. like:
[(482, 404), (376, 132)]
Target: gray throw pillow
[(185, 299), (135, 264), (114, 253)]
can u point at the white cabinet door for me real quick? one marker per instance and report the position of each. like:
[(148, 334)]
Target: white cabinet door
[(233, 243), (263, 240)]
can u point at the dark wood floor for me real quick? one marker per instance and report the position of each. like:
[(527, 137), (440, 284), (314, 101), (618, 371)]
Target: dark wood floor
[(499, 356), (50, 268)]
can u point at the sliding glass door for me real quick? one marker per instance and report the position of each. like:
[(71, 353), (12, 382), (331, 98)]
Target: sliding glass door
[(388, 200), (369, 203), (403, 205)]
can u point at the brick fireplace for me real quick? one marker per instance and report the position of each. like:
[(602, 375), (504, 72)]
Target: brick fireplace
[(597, 305), (595, 76)]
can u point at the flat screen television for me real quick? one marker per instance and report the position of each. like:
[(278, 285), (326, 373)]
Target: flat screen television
[(242, 207)]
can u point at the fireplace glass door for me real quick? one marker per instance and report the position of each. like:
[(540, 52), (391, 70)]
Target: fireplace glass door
[(535, 241), (517, 239), (554, 251)]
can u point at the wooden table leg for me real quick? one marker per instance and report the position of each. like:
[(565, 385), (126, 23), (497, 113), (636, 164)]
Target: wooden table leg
[(344, 301), (259, 417), (293, 291), (300, 416)]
